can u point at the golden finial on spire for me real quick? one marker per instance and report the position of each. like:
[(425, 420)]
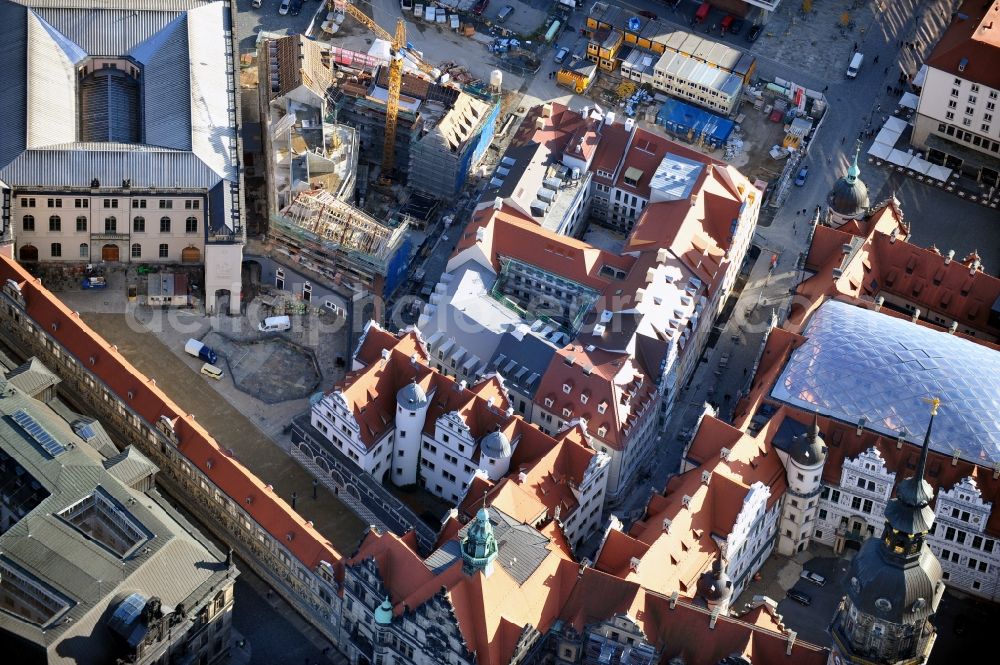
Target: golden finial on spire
[(935, 402)]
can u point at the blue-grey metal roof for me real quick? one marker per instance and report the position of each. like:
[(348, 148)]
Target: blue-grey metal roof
[(189, 95), (522, 360), (857, 363), (675, 177)]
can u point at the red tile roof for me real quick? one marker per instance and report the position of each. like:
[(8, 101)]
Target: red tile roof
[(612, 379), (645, 152), (682, 629), (491, 611), (886, 264), (140, 394), (672, 559), (975, 40), (610, 152)]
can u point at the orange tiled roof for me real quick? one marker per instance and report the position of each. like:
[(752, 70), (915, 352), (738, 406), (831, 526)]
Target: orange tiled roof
[(681, 629), (140, 394), (612, 379), (491, 611)]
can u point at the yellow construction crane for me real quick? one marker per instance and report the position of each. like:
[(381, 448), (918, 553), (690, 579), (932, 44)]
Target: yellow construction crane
[(397, 45)]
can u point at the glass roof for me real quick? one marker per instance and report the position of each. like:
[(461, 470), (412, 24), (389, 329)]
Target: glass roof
[(859, 363)]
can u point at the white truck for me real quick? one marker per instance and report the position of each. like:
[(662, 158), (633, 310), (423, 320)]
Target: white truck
[(199, 350), (855, 66)]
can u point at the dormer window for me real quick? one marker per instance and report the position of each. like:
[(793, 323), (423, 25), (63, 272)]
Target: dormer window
[(584, 397), (567, 388), (548, 401), (567, 412), (602, 407), (602, 431)]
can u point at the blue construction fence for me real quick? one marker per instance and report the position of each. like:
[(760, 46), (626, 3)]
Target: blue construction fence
[(692, 123)]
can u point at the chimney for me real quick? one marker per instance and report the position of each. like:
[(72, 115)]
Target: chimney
[(713, 618), (706, 477), (916, 315), (949, 256), (673, 599), (497, 203), (667, 522), (953, 327), (790, 643), (879, 302), (900, 438), (861, 425), (954, 457)]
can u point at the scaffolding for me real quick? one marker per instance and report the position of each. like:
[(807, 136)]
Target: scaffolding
[(337, 240)]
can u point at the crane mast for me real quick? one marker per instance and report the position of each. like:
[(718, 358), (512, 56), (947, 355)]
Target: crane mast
[(397, 44)]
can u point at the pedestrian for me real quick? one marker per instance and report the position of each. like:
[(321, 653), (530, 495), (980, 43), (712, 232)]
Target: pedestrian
[(875, 60), (798, 212), (825, 88), (855, 46), (842, 140), (269, 592), (886, 70), (744, 371), (295, 498), (315, 484)]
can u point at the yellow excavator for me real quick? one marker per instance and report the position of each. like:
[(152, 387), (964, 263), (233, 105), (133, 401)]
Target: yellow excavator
[(397, 44)]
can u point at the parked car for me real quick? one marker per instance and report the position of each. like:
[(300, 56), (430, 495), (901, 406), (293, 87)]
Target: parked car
[(754, 33), (815, 578), (736, 27), (295, 7), (480, 7), (799, 596), (561, 54), (800, 179), (647, 14), (505, 13), (283, 9)]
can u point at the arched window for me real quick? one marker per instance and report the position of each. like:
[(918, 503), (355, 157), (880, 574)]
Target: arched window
[(28, 223), (139, 225), (111, 224), (164, 225), (191, 225), (55, 224), (136, 250), (84, 250)]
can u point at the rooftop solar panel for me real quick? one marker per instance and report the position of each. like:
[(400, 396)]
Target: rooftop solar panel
[(38, 433)]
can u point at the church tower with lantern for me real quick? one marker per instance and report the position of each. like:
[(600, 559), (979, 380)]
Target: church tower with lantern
[(895, 583)]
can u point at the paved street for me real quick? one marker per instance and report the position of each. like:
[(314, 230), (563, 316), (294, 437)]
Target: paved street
[(250, 22)]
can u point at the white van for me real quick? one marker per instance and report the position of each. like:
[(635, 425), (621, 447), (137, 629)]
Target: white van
[(855, 66), (212, 371), (275, 324)]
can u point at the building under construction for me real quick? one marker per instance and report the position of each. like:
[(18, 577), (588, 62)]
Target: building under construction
[(442, 131), (335, 240)]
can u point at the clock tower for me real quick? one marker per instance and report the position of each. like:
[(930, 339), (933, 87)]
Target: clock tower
[(895, 582)]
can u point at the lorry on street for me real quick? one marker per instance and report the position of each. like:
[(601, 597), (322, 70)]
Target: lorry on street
[(199, 350)]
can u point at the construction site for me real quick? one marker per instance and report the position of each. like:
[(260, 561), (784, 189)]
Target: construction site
[(363, 150), (341, 243)]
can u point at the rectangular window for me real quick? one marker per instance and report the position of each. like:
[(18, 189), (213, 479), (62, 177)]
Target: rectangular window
[(81, 223), (192, 204), (949, 115), (56, 250), (191, 225), (822, 514), (110, 203), (81, 203), (138, 203), (164, 225), (166, 204), (55, 224), (949, 533), (164, 251), (139, 225), (835, 496), (952, 104)]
